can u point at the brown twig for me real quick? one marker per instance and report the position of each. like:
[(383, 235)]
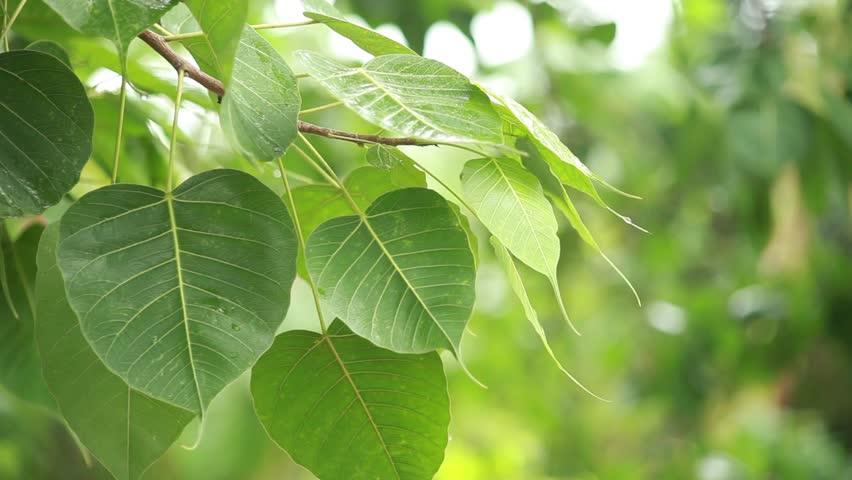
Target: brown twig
[(159, 45)]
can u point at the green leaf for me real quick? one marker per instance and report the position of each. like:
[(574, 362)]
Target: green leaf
[(20, 365), (402, 275), (260, 111), (402, 168), (555, 191), (344, 408), (511, 204), (50, 48), (46, 125), (179, 293), (411, 95), (318, 203), (222, 23), (124, 429), (116, 20), (371, 42), (565, 165), (505, 259)]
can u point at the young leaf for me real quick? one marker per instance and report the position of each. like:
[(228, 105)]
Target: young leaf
[(565, 165), (116, 20), (370, 41), (411, 95), (179, 293), (222, 23), (510, 203), (344, 408), (20, 365), (517, 283), (260, 111), (402, 169), (402, 275), (124, 429), (46, 125)]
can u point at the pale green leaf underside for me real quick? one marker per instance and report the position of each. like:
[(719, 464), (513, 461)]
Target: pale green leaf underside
[(371, 42), (222, 23), (510, 203), (402, 276), (412, 96), (20, 366), (179, 294), (117, 20), (46, 124), (124, 429), (344, 408), (260, 111)]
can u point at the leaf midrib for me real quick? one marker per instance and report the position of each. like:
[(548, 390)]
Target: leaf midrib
[(399, 271), (185, 319), (363, 403)]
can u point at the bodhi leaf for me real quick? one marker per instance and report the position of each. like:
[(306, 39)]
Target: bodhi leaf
[(517, 283), (260, 111), (116, 20), (222, 24), (401, 274), (46, 125), (402, 168), (124, 429), (179, 293), (318, 203), (565, 165), (555, 191), (411, 95), (510, 203), (20, 366), (371, 42), (344, 408), (50, 48)]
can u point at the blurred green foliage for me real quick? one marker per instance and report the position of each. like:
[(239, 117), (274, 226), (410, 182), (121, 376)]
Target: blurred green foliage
[(736, 131)]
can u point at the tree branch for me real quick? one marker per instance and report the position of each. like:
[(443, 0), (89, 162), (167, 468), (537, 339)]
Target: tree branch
[(159, 45)]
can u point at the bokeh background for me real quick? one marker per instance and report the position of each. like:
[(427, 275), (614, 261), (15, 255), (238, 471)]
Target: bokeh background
[(732, 119)]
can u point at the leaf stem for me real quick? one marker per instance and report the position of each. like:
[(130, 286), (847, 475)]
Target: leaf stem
[(122, 102), (320, 108), (11, 20), (298, 225), (259, 26), (173, 141)]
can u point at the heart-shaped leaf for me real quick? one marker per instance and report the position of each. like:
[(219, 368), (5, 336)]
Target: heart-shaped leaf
[(179, 293), (510, 202), (117, 20), (124, 429), (402, 275), (20, 365), (261, 109), (370, 41), (46, 124), (344, 408), (411, 95)]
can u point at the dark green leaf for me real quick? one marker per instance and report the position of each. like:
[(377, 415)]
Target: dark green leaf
[(179, 293), (20, 365), (50, 48), (370, 41), (402, 275), (260, 111), (344, 408), (46, 125), (411, 95), (124, 429)]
